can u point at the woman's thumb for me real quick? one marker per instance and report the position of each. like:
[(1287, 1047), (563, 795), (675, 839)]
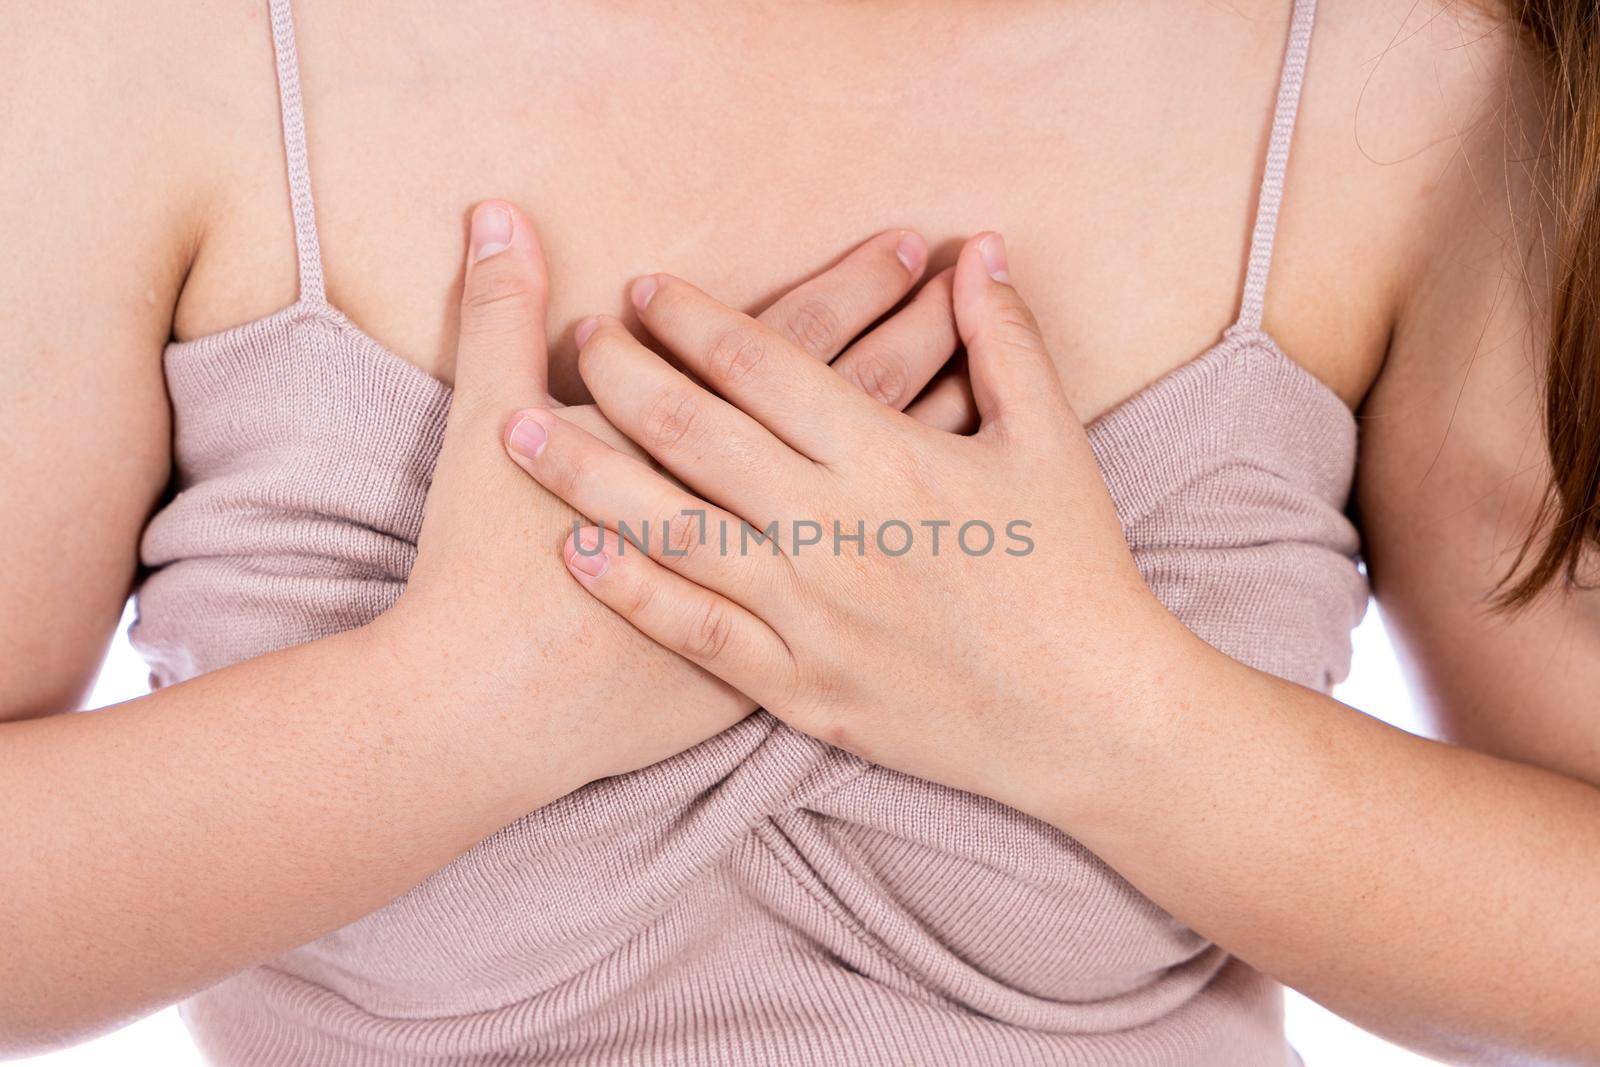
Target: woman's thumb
[(1013, 377), (501, 352)]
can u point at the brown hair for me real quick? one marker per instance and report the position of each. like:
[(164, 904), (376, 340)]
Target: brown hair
[(1568, 525)]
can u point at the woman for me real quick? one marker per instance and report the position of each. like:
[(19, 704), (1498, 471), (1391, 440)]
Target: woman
[(321, 743)]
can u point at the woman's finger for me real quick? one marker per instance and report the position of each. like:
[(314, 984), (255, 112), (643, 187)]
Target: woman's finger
[(704, 628), (501, 358), (947, 404), (715, 449), (1014, 380), (825, 314), (898, 358), (673, 527), (893, 362), (793, 395), (589, 417)]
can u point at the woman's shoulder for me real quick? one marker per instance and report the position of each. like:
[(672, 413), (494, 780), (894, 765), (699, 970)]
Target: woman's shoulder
[(159, 57), (1424, 99), (131, 111), (1451, 117), (1413, 146)]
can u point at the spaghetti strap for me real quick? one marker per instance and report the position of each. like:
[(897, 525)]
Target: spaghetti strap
[(1294, 73), (294, 148)]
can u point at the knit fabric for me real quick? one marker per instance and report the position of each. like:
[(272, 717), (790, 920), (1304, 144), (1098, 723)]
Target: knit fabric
[(761, 898)]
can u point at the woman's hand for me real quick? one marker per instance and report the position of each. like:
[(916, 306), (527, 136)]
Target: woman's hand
[(923, 598), (489, 605), (571, 696), (1306, 838)]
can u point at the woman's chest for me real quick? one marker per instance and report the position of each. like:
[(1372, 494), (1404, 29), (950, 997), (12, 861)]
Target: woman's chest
[(1125, 184)]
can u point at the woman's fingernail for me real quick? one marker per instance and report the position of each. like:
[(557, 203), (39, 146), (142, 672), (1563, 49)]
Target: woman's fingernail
[(642, 291), (912, 252), (586, 329), (528, 437), (993, 250), (587, 556), (491, 231)]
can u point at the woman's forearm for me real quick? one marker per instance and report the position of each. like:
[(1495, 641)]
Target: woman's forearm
[(1432, 893), (155, 847), (1440, 896)]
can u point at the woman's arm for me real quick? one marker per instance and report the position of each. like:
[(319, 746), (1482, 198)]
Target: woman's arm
[(96, 233), (156, 847), (1440, 895), (1452, 469), (153, 848), (1448, 897), (1436, 895)]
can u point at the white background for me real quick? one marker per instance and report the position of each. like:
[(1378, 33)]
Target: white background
[(1323, 1039)]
